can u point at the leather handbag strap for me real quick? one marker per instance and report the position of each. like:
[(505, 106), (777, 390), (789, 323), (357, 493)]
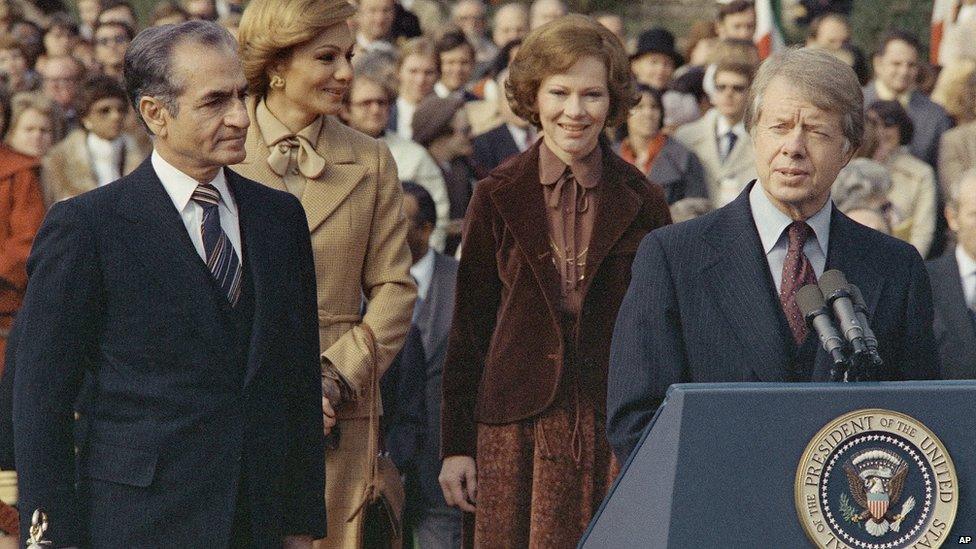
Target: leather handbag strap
[(372, 445)]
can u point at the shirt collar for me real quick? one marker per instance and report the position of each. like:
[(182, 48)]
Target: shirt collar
[(722, 126), (273, 131), (771, 222), (423, 272), (180, 186), (587, 170), (967, 264), (103, 147), (887, 94)]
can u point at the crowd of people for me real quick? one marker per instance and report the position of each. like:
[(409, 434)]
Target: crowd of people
[(477, 181)]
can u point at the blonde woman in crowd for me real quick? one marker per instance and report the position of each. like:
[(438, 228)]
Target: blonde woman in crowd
[(34, 124), (549, 240), (297, 57)]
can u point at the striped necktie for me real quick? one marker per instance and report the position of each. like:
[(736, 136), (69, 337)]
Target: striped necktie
[(221, 258)]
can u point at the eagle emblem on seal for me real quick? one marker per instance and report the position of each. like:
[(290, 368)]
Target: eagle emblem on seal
[(876, 478)]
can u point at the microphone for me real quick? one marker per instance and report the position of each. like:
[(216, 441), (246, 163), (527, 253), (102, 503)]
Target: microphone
[(811, 303), (861, 309), (836, 291)]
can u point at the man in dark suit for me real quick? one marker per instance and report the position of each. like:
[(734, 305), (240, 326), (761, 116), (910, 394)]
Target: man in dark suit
[(512, 136), (188, 293), (954, 285), (415, 445), (713, 299), (895, 75)]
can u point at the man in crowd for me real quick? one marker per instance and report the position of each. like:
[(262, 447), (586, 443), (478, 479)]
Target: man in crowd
[(470, 17), (544, 11), (111, 39), (896, 66), (512, 136), (655, 59), (435, 525), (713, 299), (719, 138), (118, 11), (60, 80), (367, 109), (954, 284), (831, 31), (511, 22), (206, 424), (455, 65), (736, 20), (374, 21)]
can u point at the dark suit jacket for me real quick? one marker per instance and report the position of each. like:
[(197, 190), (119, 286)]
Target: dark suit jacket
[(493, 147), (929, 119), (412, 388), (702, 307), (955, 328), (506, 348), (177, 419)]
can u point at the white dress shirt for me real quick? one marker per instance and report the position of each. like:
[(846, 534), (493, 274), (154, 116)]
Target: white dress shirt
[(180, 187), (772, 223), (520, 136), (106, 157), (404, 120), (967, 274), (423, 273)]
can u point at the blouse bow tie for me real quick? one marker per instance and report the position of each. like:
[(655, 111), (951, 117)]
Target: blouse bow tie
[(310, 164), (568, 183)]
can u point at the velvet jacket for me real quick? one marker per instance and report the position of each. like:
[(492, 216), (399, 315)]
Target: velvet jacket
[(506, 349)]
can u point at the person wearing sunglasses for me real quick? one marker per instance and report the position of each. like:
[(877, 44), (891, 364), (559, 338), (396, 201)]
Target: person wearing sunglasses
[(719, 138), (110, 39), (99, 151)]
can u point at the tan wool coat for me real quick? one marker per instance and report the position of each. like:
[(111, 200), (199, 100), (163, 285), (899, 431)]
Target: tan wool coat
[(359, 244), (67, 169)]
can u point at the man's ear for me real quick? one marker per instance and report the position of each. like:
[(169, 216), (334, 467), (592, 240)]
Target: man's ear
[(154, 113)]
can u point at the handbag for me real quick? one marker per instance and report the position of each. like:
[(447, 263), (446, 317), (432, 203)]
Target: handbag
[(383, 496)]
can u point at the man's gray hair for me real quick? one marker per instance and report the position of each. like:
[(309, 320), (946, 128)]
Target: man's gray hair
[(824, 80), (148, 65), (861, 181)]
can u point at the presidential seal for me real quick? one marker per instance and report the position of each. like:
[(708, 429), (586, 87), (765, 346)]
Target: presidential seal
[(876, 479)]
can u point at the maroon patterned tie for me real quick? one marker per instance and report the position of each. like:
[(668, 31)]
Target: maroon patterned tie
[(797, 272)]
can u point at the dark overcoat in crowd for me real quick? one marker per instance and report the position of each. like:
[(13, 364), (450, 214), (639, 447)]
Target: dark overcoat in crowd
[(702, 307), (506, 348), (493, 147), (955, 323), (198, 407)]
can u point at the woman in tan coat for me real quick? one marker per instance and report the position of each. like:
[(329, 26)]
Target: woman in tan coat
[(297, 61)]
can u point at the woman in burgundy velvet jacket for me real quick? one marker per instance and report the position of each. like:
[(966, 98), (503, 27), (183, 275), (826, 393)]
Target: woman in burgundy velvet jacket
[(549, 240)]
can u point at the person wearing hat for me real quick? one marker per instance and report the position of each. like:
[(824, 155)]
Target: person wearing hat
[(441, 126), (655, 59)]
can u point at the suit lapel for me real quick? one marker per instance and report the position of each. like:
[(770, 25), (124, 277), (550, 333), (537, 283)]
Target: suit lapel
[(259, 251), (435, 311), (618, 206), (951, 305), (745, 291), (158, 239), (521, 204), (342, 175)]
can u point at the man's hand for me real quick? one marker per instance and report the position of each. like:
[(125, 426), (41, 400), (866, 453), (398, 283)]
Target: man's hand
[(459, 482), (296, 542), (328, 415)]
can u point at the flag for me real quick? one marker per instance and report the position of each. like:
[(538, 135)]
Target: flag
[(769, 36), (943, 16)]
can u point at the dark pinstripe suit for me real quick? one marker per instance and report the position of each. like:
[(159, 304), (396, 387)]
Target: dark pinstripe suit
[(702, 307)]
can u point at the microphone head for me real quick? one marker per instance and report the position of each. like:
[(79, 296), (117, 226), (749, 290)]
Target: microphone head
[(857, 298), (833, 283), (810, 300)]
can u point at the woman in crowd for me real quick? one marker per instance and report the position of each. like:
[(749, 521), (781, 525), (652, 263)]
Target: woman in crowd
[(662, 159), (33, 124), (861, 191), (98, 152), (14, 67), (297, 62), (417, 74), (21, 212), (549, 241), (913, 187)]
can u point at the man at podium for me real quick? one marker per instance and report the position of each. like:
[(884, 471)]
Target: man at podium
[(712, 300)]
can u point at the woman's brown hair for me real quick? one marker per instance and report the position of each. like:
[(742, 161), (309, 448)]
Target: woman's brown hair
[(555, 47)]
